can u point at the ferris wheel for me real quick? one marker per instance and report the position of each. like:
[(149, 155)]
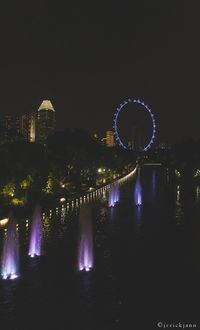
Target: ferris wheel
[(121, 107)]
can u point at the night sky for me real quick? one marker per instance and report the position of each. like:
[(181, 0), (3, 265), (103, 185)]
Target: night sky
[(88, 57)]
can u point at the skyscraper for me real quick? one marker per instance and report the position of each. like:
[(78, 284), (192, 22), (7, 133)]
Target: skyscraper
[(27, 126), (110, 139), (45, 121), (15, 128)]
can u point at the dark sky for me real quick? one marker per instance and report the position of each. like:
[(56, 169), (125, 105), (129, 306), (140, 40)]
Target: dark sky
[(88, 57)]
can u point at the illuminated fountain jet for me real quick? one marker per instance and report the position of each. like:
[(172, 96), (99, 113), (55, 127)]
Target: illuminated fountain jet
[(35, 243), (85, 246), (10, 256), (113, 195), (138, 193)]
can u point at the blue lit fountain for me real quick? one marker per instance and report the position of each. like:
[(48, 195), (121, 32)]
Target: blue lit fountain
[(113, 195), (85, 246), (35, 243), (138, 193), (10, 255)]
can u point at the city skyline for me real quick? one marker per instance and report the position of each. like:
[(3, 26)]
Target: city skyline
[(34, 126), (98, 56), (101, 132)]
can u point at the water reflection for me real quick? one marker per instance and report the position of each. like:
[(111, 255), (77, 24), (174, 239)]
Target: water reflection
[(8, 304), (63, 215), (178, 208), (178, 194), (153, 182), (138, 214), (47, 228), (167, 175), (112, 212), (198, 193)]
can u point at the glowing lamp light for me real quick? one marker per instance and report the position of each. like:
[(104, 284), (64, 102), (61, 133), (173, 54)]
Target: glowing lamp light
[(9, 276), (62, 199), (3, 222), (85, 269)]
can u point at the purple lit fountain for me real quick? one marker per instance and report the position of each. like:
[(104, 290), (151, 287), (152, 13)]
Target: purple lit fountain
[(113, 195), (85, 247), (138, 193), (10, 256), (35, 243)]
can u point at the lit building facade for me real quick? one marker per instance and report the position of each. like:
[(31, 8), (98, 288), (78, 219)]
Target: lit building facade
[(163, 146), (27, 126), (110, 139), (18, 128), (11, 123), (45, 121)]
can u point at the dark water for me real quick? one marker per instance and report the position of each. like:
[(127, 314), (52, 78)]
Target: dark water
[(147, 265)]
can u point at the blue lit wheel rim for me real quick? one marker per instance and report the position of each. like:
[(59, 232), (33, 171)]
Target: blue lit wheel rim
[(115, 126)]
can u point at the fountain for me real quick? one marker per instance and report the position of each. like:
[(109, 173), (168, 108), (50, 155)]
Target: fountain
[(138, 193), (85, 247), (10, 256), (113, 195), (36, 233)]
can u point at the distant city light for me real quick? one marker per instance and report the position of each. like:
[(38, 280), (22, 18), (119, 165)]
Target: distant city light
[(177, 173)]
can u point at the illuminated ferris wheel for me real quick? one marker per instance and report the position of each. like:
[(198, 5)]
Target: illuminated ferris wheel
[(121, 107)]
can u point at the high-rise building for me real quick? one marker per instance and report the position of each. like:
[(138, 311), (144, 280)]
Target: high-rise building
[(32, 127), (45, 121), (27, 126), (110, 139), (163, 146), (9, 130), (36, 126), (11, 123), (15, 128)]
